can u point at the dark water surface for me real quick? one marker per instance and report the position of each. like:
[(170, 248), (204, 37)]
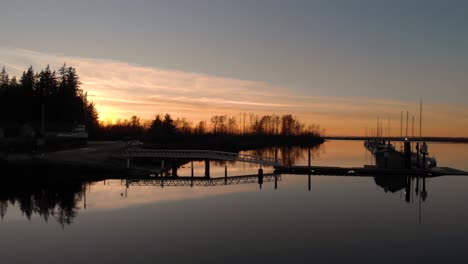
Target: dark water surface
[(342, 219)]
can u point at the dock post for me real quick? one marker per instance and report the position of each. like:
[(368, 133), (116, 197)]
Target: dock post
[(309, 156), (417, 186), (276, 181), (191, 178), (207, 168), (407, 154), (174, 168), (225, 175), (191, 167), (408, 190), (424, 153), (417, 154), (162, 168), (260, 177), (424, 192), (276, 155)]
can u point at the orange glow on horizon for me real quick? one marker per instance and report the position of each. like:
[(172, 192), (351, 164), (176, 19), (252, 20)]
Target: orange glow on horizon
[(335, 124), (121, 90)]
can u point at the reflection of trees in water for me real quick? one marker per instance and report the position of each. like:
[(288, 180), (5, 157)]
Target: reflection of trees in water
[(223, 162), (45, 198), (289, 155)]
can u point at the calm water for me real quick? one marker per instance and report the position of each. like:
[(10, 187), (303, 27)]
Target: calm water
[(342, 219)]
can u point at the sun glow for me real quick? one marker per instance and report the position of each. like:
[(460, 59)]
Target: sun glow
[(107, 115), (121, 90)]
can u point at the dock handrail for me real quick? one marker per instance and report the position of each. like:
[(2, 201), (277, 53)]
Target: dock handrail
[(198, 154)]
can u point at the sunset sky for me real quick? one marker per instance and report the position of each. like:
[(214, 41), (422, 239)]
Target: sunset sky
[(339, 64)]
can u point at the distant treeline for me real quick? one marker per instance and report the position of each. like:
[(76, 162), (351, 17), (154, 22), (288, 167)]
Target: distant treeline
[(59, 93), (243, 124), (244, 131), (66, 105)]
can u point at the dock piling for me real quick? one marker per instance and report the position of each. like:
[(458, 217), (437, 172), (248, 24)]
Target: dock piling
[(225, 175), (207, 168), (191, 168), (162, 168), (260, 177), (276, 181), (174, 169)]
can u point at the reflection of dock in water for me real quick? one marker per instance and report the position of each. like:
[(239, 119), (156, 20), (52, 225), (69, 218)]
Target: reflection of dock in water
[(367, 171), (201, 181)]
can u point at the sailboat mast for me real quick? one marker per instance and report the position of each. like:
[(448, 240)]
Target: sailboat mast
[(388, 128), (407, 116), (401, 125), (420, 119)]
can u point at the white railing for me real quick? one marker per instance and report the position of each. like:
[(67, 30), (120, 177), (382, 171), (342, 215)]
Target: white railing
[(198, 154)]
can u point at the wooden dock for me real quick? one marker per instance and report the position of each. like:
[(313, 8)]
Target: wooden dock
[(366, 171)]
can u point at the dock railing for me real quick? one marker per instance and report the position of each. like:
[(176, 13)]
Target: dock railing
[(198, 154)]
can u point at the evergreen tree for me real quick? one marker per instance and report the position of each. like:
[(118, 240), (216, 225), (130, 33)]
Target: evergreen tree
[(62, 79), (69, 82), (4, 81), (168, 125), (47, 83), (14, 86), (64, 101), (28, 81), (156, 128)]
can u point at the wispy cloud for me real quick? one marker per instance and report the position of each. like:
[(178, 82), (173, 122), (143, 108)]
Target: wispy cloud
[(121, 89)]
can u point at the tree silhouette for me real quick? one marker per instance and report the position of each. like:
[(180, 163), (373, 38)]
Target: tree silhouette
[(65, 103), (43, 197), (4, 81), (28, 82)]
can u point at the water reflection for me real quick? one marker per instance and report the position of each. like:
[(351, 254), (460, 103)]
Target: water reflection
[(56, 199), (199, 181), (60, 200), (411, 185), (64, 200), (290, 155)]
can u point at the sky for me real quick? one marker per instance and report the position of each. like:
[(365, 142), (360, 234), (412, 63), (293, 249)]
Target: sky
[(340, 64)]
